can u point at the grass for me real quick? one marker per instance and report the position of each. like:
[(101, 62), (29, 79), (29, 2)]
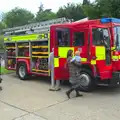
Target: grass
[(5, 71)]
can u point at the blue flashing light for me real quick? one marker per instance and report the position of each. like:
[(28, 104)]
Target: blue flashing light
[(108, 20)]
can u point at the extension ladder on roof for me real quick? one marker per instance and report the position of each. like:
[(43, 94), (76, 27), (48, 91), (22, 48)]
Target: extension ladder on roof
[(36, 27)]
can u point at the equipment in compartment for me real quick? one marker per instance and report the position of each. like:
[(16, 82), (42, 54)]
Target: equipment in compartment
[(23, 49), (40, 56), (11, 62), (10, 55), (40, 64), (11, 52)]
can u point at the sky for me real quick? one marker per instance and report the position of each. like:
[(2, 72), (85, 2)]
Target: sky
[(32, 5)]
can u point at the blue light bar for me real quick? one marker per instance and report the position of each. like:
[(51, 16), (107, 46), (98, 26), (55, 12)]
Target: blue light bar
[(107, 20)]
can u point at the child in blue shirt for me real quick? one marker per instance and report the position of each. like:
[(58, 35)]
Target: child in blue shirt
[(76, 57)]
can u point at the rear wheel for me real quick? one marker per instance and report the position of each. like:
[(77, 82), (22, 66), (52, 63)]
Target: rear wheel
[(22, 71), (87, 82)]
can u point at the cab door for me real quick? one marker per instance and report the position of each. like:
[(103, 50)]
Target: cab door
[(101, 52), (80, 41), (62, 43)]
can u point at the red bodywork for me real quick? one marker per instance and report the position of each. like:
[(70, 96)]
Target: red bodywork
[(88, 50)]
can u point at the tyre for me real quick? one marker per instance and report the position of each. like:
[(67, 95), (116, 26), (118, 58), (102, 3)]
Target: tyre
[(22, 71), (86, 81)]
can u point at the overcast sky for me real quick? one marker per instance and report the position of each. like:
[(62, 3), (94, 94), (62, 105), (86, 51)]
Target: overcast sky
[(32, 5)]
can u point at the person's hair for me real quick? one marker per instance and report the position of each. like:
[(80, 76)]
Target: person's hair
[(77, 53), (69, 53)]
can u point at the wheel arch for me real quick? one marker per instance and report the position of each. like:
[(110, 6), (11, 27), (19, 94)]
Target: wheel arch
[(89, 67), (23, 61)]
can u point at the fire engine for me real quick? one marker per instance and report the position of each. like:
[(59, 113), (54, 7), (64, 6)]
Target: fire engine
[(27, 49)]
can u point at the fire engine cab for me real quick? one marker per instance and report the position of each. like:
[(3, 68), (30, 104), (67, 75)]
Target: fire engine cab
[(28, 48)]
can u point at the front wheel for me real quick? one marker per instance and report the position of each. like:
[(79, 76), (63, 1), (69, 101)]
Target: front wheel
[(22, 71), (87, 83)]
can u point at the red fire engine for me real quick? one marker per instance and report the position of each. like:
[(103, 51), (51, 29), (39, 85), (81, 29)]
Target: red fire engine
[(28, 47)]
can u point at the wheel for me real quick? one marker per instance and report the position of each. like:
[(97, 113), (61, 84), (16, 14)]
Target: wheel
[(86, 81), (22, 71)]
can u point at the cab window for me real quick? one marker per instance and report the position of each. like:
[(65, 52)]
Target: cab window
[(78, 39), (117, 37), (100, 36), (63, 37)]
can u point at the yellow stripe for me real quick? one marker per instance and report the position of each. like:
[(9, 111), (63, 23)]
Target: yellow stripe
[(39, 53), (40, 70), (62, 51), (56, 62), (39, 46), (23, 46), (10, 47), (93, 62), (100, 53), (26, 37), (40, 56), (48, 35), (83, 59), (113, 48), (115, 57), (23, 57)]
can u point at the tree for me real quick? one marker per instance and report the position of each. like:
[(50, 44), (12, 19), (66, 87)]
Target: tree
[(91, 10), (102, 8), (71, 11), (109, 8), (41, 8), (86, 2), (44, 15), (2, 25), (17, 17)]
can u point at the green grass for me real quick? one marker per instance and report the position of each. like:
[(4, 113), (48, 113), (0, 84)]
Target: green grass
[(5, 71)]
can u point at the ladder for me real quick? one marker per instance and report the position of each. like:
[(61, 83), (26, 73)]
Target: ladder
[(36, 27)]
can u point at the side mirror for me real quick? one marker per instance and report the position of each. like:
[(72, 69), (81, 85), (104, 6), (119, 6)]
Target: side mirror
[(117, 41), (101, 36)]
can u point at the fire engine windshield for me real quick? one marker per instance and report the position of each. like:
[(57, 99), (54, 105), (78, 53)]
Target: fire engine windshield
[(101, 37), (117, 37)]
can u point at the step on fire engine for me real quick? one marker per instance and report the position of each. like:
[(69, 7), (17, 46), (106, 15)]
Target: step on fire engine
[(27, 49)]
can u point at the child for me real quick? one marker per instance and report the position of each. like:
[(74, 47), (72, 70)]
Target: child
[(76, 57)]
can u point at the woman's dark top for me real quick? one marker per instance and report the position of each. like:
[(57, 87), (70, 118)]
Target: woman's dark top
[(74, 70)]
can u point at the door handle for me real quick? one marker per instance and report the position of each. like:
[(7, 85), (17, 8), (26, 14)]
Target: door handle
[(94, 57), (56, 56)]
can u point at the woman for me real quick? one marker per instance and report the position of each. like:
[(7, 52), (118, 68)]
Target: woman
[(74, 68)]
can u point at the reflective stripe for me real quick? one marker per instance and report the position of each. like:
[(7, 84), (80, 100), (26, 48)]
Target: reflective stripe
[(100, 53), (115, 57), (62, 51), (83, 59), (56, 62), (27, 37), (113, 48), (93, 62), (48, 35)]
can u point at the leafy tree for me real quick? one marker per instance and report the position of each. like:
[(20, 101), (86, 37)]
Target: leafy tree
[(44, 15), (86, 2), (17, 17), (91, 10), (109, 8), (102, 8), (71, 11), (2, 25), (1, 42)]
